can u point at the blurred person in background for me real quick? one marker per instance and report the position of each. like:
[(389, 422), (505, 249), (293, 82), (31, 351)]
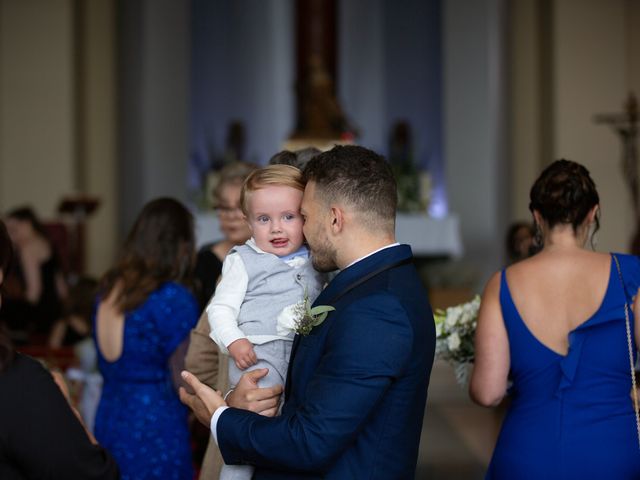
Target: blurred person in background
[(41, 435), (561, 327), (35, 286), (203, 356), (520, 241), (234, 229), (145, 310)]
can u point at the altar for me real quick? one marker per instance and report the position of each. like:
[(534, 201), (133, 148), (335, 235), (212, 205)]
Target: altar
[(428, 237)]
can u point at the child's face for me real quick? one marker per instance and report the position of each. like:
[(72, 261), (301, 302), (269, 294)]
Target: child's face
[(275, 220)]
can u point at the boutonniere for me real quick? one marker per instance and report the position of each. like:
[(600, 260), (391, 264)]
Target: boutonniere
[(307, 317), (301, 318)]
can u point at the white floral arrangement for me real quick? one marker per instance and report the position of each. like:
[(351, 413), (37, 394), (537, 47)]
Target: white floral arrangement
[(455, 329)]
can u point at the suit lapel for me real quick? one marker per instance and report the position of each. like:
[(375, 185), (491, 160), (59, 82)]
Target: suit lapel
[(349, 279)]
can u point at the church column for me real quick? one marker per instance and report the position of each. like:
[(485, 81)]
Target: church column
[(97, 153), (474, 127), (154, 52)]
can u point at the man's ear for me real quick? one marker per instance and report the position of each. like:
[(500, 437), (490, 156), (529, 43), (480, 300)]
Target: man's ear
[(336, 216)]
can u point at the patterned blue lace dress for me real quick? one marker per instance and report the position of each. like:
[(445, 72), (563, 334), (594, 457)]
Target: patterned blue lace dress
[(571, 416), (140, 418)]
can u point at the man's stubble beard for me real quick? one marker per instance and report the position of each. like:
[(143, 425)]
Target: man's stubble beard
[(323, 258)]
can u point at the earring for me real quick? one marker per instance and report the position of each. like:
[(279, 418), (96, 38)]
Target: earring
[(538, 240)]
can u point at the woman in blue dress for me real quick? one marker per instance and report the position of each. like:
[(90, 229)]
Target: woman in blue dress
[(555, 325), (144, 313)]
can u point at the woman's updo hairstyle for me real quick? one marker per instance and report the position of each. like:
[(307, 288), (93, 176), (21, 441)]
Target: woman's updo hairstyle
[(564, 193)]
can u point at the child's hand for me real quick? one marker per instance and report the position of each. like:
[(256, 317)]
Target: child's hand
[(242, 353)]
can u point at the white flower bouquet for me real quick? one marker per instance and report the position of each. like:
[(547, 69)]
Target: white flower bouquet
[(455, 329)]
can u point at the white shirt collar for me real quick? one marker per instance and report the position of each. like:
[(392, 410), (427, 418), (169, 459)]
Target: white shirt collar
[(252, 243), (372, 253)]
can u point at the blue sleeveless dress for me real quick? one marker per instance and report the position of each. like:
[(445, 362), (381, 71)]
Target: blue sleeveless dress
[(140, 418), (572, 416)]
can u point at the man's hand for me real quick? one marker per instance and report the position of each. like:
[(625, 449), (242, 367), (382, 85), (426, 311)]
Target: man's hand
[(248, 396), (203, 402), (242, 353)]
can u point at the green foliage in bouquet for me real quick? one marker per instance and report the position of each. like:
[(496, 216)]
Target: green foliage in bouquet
[(455, 330)]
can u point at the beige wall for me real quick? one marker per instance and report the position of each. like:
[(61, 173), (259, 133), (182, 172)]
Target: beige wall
[(36, 98), (589, 74), (100, 152), (46, 105), (525, 104)]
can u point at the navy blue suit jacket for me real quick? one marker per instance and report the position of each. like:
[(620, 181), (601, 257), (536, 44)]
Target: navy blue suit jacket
[(356, 387)]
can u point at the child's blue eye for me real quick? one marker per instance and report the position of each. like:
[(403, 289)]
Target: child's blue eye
[(263, 219), (289, 216)]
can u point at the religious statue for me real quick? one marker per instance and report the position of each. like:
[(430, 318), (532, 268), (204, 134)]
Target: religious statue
[(626, 126)]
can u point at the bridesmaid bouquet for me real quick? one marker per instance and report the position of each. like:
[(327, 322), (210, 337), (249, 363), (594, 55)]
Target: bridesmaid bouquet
[(455, 328)]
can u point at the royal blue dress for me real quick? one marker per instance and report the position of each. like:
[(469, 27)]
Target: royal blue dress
[(140, 418), (572, 416)]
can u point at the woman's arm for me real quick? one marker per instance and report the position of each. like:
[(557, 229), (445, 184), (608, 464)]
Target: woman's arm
[(61, 286), (32, 275), (224, 308), (491, 367)]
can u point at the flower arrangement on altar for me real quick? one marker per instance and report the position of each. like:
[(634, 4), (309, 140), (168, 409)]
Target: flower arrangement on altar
[(455, 329)]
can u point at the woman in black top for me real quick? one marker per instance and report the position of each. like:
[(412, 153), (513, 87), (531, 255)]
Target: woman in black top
[(41, 437), (37, 286), (234, 228)]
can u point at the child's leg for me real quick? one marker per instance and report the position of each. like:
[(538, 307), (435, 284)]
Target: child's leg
[(235, 472), (274, 356)]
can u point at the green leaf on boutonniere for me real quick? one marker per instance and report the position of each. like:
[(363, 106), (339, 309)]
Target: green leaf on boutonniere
[(311, 317), (320, 312)]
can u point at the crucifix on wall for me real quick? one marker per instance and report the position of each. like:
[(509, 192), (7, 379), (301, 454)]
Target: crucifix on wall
[(625, 124)]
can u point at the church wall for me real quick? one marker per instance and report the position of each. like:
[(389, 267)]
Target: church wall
[(100, 152), (474, 129), (36, 104), (45, 105), (585, 45)]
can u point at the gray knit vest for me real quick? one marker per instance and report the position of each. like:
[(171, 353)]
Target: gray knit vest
[(272, 286)]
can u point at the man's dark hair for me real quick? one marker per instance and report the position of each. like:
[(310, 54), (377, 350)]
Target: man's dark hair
[(298, 159), (359, 177)]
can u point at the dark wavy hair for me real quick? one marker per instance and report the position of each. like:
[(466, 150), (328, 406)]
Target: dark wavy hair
[(564, 194), (6, 252), (360, 177), (159, 248), (26, 214)]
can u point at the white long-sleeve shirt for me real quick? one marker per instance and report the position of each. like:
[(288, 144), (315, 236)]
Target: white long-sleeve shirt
[(224, 308)]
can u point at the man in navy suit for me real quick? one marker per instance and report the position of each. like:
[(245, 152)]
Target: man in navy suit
[(357, 384)]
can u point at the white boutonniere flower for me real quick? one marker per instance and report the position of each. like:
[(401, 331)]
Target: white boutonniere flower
[(301, 318)]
